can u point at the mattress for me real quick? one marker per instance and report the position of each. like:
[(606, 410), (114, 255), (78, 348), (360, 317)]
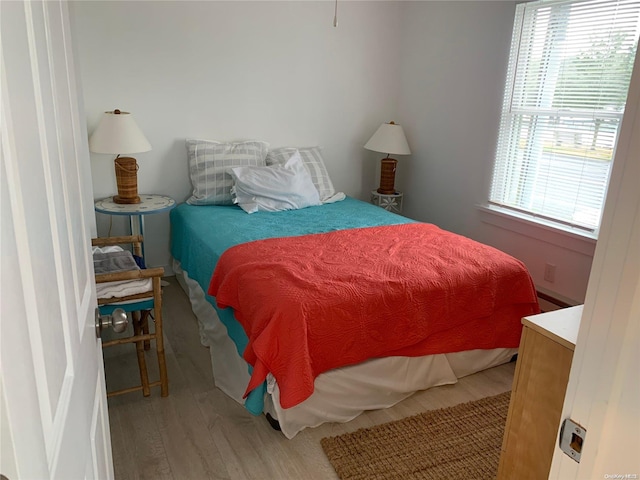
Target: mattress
[(343, 393), (200, 235)]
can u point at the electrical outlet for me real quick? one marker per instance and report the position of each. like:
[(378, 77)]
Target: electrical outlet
[(550, 272)]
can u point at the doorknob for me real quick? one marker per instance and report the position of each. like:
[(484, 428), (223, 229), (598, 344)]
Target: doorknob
[(118, 320)]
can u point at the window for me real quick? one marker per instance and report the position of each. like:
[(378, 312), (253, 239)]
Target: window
[(567, 83)]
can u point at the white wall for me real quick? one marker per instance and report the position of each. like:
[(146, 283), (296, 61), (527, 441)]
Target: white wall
[(274, 71), (455, 59), (280, 72)]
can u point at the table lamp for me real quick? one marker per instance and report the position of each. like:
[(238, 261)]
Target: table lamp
[(389, 139), (118, 134)]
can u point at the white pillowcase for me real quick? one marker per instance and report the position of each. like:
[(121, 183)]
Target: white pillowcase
[(313, 162), (275, 188), (209, 165)]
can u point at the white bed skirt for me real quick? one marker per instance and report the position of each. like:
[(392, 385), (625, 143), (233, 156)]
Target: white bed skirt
[(341, 394)]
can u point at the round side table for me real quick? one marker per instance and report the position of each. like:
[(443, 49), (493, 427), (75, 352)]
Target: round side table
[(149, 204)]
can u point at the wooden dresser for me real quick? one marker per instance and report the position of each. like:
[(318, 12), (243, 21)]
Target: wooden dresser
[(537, 397)]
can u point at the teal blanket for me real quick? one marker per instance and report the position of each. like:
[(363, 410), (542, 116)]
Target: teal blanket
[(200, 234)]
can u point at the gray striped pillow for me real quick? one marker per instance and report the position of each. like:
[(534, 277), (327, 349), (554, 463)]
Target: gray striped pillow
[(210, 163), (312, 160)]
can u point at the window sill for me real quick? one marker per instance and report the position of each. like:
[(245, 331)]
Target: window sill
[(577, 241)]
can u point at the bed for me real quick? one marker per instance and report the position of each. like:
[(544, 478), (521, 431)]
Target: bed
[(333, 357)]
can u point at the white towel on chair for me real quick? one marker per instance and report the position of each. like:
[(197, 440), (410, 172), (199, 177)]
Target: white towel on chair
[(107, 249), (123, 288), (113, 259)]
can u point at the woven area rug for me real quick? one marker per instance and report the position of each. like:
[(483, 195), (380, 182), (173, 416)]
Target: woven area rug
[(463, 441)]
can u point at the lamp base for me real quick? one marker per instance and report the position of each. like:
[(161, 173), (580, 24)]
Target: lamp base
[(127, 180), (126, 201), (387, 176)]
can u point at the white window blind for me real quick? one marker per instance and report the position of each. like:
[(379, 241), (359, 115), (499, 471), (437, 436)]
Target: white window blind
[(567, 84)]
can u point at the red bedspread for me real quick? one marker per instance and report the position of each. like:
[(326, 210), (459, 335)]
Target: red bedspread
[(316, 302)]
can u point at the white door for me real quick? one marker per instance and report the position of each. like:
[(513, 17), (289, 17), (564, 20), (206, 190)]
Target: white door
[(53, 409)]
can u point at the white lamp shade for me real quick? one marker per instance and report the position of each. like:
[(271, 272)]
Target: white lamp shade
[(390, 139), (118, 133)]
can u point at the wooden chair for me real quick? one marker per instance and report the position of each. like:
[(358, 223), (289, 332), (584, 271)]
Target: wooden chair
[(140, 308)]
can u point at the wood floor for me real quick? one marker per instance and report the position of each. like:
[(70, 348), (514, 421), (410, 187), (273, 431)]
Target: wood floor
[(197, 432)]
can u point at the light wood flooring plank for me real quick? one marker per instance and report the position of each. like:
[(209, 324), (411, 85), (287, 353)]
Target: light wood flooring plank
[(200, 433), (146, 454), (188, 444)]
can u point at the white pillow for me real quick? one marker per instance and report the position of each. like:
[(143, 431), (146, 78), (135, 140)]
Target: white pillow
[(275, 188), (313, 162), (209, 165)]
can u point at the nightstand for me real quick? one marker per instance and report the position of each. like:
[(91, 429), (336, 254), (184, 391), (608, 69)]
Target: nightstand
[(149, 204), (391, 202), (537, 397)]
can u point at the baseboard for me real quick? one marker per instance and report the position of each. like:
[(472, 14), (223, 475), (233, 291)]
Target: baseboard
[(549, 301)]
